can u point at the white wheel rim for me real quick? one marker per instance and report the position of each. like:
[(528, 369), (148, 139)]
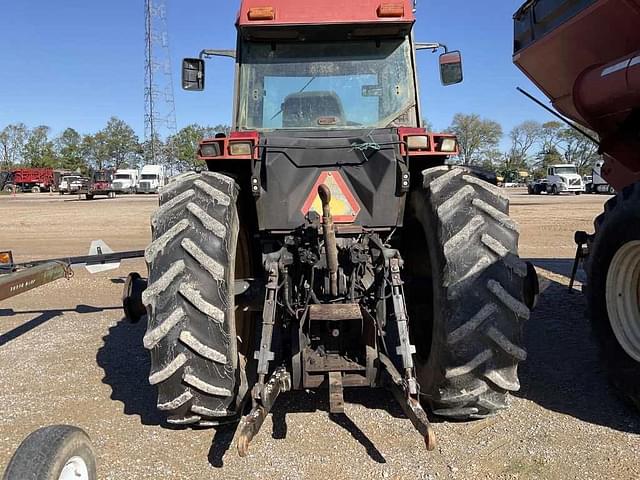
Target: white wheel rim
[(75, 469), (623, 298)]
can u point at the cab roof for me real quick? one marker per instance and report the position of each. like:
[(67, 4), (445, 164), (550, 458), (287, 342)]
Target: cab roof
[(319, 12)]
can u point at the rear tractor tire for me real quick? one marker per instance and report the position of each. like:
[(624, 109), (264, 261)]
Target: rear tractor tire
[(613, 286), (191, 329), (469, 335)]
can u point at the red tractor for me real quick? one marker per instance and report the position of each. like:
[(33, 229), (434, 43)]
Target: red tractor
[(585, 56), (374, 263)]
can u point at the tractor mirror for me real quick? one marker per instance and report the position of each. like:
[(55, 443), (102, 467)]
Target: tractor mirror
[(193, 74), (451, 68)]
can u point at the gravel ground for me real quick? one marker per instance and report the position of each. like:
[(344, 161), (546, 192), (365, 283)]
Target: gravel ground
[(66, 356)]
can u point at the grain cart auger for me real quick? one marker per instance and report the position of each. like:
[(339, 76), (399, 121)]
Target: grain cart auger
[(594, 80), (380, 266)]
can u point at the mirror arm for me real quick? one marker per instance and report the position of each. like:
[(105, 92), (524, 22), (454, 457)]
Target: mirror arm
[(217, 53), (431, 46)]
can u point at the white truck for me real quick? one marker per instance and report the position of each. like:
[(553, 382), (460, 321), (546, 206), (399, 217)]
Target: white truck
[(152, 178), (597, 184), (125, 181), (71, 184), (564, 178)]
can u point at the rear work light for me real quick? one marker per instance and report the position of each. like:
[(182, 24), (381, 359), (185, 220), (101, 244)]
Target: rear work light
[(418, 142), (386, 10), (448, 145), (240, 148), (262, 13)]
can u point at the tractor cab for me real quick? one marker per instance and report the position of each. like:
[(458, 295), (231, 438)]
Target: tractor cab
[(299, 69)]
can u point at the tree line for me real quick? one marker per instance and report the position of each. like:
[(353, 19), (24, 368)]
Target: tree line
[(533, 146), (115, 146)]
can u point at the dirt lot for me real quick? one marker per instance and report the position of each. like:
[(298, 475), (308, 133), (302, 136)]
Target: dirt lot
[(66, 356)]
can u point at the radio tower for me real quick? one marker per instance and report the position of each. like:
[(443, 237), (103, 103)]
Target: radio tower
[(160, 107)]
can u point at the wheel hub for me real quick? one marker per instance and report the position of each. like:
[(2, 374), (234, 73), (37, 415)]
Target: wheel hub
[(75, 469), (623, 298)]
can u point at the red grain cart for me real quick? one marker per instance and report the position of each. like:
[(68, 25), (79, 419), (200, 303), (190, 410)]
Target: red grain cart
[(585, 56)]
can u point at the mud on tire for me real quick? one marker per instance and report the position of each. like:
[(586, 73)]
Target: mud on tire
[(469, 336), (191, 330)]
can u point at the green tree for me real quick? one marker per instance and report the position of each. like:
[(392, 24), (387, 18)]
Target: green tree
[(12, 142), (115, 146), (477, 137), (69, 150), (579, 150), (39, 151), (185, 143)]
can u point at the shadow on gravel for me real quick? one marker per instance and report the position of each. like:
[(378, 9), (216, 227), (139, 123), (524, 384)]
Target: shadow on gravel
[(303, 402), (43, 317), (221, 443), (126, 370), (559, 266), (563, 371)]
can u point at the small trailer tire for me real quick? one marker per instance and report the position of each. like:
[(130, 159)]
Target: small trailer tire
[(59, 452)]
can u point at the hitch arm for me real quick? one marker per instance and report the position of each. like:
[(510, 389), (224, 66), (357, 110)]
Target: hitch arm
[(409, 403), (250, 425)]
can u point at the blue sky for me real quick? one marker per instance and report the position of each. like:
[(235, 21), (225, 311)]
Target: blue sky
[(77, 62)]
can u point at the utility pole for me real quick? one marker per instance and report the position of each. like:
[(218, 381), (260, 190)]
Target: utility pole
[(160, 107)]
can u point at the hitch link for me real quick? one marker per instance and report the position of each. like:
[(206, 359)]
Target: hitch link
[(250, 425), (405, 349), (405, 389), (264, 355)]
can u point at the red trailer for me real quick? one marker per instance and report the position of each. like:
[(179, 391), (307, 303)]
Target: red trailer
[(35, 180), (585, 56)]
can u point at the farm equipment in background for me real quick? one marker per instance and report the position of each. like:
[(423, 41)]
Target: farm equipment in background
[(17, 278), (594, 80), (377, 264)]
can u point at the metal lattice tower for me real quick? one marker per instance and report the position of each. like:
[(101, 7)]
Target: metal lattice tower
[(160, 107)]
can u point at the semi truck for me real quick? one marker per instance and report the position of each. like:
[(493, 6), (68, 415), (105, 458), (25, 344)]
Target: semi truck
[(584, 55), (564, 179), (597, 183), (373, 263), (125, 181), (152, 179)]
